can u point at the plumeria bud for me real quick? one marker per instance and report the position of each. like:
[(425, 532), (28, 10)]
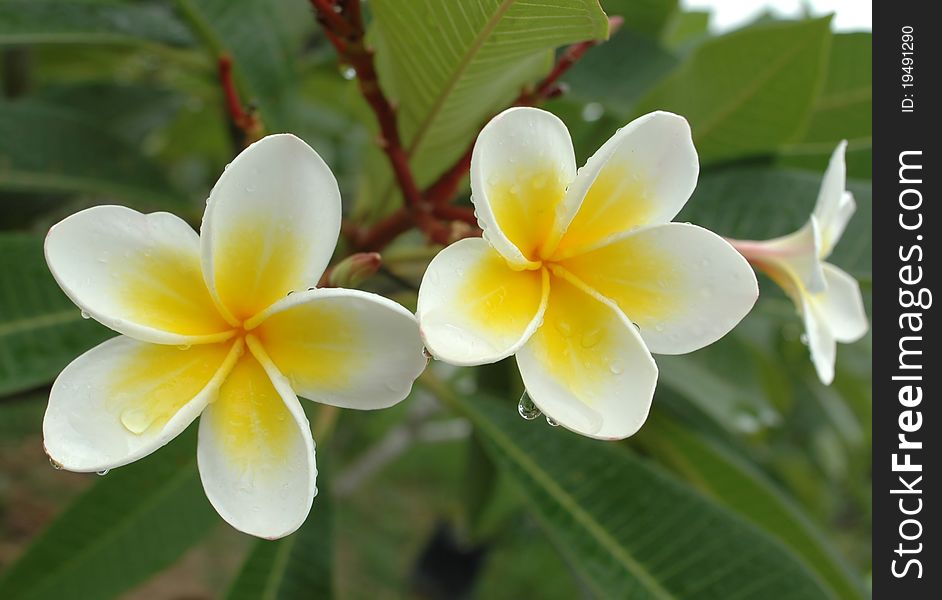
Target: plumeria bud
[(827, 298), (354, 270)]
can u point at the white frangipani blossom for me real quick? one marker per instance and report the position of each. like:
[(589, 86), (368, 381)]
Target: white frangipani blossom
[(827, 298), (581, 275), (225, 325)]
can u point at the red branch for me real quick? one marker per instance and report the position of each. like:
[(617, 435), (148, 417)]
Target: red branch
[(245, 123), (342, 21)]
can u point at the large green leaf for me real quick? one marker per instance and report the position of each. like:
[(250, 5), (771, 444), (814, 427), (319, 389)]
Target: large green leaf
[(843, 110), (133, 523), (450, 65), (647, 16), (77, 22), (762, 203), (41, 331), (629, 529), (44, 148), (747, 92), (745, 490), (263, 39), (298, 566)]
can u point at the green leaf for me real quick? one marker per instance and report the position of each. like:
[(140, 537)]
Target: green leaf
[(646, 16), (686, 28), (298, 566), (627, 528), (76, 22), (51, 149), (617, 73), (451, 65), (263, 39), (843, 110), (762, 203), (133, 523), (41, 331), (745, 490), (747, 92)]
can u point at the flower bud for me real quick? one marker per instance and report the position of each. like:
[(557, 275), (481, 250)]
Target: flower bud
[(354, 270)]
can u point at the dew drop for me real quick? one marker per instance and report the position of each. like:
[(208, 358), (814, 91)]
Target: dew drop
[(103, 472), (85, 315), (591, 338), (564, 328), (136, 420), (616, 367), (527, 408), (183, 347), (551, 422), (803, 338), (55, 465)]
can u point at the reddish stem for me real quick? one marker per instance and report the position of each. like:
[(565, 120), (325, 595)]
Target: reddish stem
[(245, 124)]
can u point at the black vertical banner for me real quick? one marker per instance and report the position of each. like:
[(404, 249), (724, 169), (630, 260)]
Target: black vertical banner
[(906, 371)]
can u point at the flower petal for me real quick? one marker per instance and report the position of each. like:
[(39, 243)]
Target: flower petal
[(271, 225), (346, 348), (520, 167), (137, 274), (793, 260), (586, 367), (123, 399), (684, 286), (474, 309), (256, 454), (835, 204), (841, 306), (643, 175), (820, 340)]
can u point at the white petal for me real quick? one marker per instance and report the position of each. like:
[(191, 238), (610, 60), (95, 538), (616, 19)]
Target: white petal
[(794, 259), (684, 286), (346, 348), (835, 204), (522, 162), (586, 367), (643, 175), (271, 225), (124, 399), (841, 306), (256, 454), (474, 309), (821, 342), (137, 274)]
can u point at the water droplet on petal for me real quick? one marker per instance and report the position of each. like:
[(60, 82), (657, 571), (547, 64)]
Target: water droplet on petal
[(591, 338), (551, 422), (564, 328), (103, 472), (527, 408), (136, 420), (85, 315), (183, 347), (54, 464), (616, 367)]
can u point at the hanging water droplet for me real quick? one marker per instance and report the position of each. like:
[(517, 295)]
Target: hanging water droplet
[(348, 72), (551, 422), (527, 408), (564, 328), (85, 315), (103, 472), (54, 464), (616, 367), (183, 347)]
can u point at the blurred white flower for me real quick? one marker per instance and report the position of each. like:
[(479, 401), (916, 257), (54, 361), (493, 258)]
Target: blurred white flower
[(209, 328), (582, 275), (827, 298)]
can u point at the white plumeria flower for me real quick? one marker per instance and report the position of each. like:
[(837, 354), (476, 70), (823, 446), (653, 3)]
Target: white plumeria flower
[(827, 298), (209, 328), (582, 275)]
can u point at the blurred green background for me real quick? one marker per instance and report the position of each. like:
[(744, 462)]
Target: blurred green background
[(751, 479)]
